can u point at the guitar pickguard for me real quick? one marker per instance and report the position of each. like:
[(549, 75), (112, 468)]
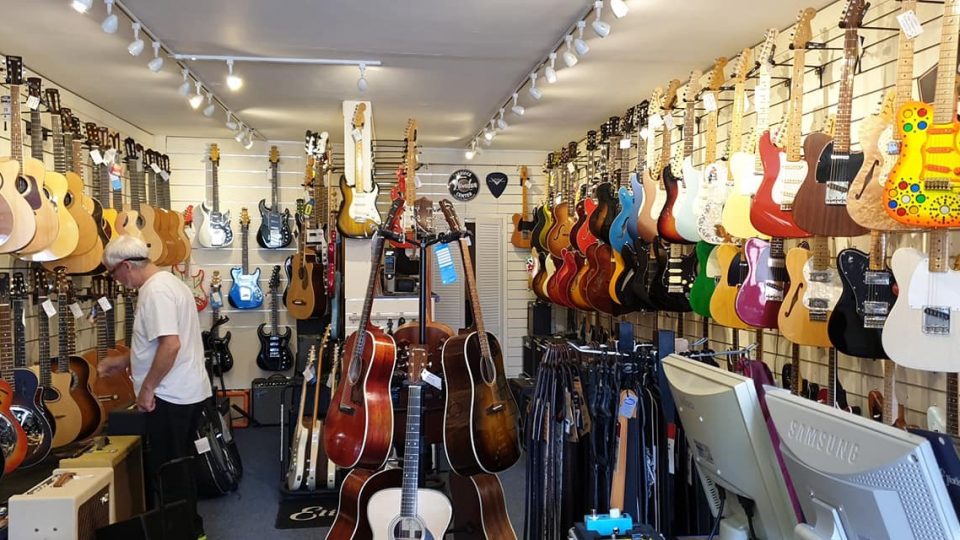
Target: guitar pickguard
[(792, 174), (274, 229), (364, 207), (218, 231), (823, 290), (712, 195)]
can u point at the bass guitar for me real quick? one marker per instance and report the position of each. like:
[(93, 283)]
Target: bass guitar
[(274, 231), (13, 442), (359, 427), (761, 295), (275, 352), (213, 226), (245, 293), (116, 391), (216, 348), (318, 462), (522, 222), (685, 209), (296, 471), (814, 290), (480, 414), (358, 217)]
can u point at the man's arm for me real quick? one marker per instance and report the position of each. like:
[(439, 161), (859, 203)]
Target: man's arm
[(167, 348), (114, 363)]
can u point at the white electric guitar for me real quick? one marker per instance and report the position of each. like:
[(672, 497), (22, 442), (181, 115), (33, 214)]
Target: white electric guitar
[(301, 437), (685, 205), (213, 226), (318, 457), (920, 331), (410, 511)]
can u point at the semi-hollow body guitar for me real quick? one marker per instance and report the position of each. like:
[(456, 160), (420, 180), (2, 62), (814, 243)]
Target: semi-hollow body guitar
[(761, 295)]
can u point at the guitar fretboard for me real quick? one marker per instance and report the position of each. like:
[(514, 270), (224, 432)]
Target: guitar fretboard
[(841, 138), (59, 145), (411, 454), (16, 134), (953, 409), (6, 340), (215, 182), (904, 83), (43, 344), (792, 143), (19, 333)]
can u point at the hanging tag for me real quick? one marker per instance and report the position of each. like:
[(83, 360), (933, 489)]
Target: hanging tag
[(416, 181), (75, 309), (202, 445), (625, 144), (33, 102), (645, 134), (308, 373), (357, 134), (629, 406), (96, 156), (92, 317), (656, 121), (155, 167), (165, 175), (104, 303), (910, 24), (48, 308), (5, 100), (431, 379), (469, 242), (448, 272), (709, 101), (571, 168), (116, 183), (216, 299), (746, 103), (669, 122), (671, 446), (110, 155)]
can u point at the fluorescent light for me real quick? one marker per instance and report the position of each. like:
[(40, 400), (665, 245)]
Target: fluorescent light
[(157, 63), (517, 109), (619, 8), (109, 24), (569, 58), (550, 72), (136, 46), (234, 82), (601, 28), (580, 44), (81, 6), (534, 92)]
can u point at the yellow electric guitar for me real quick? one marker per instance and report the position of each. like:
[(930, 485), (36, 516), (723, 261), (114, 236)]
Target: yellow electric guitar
[(815, 288), (359, 217), (733, 271)]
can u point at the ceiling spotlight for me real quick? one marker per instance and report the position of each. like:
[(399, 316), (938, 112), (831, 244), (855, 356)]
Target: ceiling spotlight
[(136, 46), (517, 109), (362, 81), (471, 151), (185, 85), (231, 121), (550, 72), (109, 24), (501, 123), (81, 6), (157, 62), (601, 28), (196, 99), (234, 82), (248, 144), (569, 58), (210, 108), (240, 133), (580, 44), (535, 92), (619, 8)]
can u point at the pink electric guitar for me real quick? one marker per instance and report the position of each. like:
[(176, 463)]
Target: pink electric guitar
[(761, 295)]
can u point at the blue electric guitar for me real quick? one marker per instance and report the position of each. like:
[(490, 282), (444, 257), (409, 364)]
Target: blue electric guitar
[(275, 352), (619, 230), (245, 292)]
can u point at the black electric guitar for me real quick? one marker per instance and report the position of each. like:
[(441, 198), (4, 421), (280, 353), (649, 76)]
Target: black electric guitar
[(275, 352), (274, 230), (216, 349), (676, 272)]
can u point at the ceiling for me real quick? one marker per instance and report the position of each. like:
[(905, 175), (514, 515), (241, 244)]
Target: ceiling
[(448, 64)]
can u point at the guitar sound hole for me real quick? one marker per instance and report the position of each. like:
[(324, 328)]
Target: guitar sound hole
[(410, 528), (22, 185)]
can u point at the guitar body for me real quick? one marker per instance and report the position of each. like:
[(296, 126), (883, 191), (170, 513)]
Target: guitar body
[(868, 190), (218, 349), (522, 229), (638, 202), (578, 286), (619, 229), (480, 418), (631, 285), (296, 473), (175, 241), (736, 209), (911, 199), (723, 302), (707, 276), (649, 211), (245, 293), (351, 522), (148, 224), (87, 213), (17, 222), (687, 211), (794, 317), (83, 375), (44, 213), (113, 392), (539, 222), (68, 235), (682, 270), (549, 287), (562, 279), (538, 281), (778, 186), (761, 295), (65, 411), (274, 231), (195, 283), (583, 237), (110, 222), (810, 210), (36, 421), (479, 506), (558, 237), (619, 271), (274, 352), (13, 440), (846, 326), (358, 216), (600, 256), (602, 217), (713, 194), (358, 430), (306, 295), (667, 222), (213, 228), (433, 515)]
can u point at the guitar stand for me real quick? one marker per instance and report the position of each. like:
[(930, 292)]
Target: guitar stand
[(288, 419)]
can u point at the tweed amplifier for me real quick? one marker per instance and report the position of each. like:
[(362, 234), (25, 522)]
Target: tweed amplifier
[(69, 505)]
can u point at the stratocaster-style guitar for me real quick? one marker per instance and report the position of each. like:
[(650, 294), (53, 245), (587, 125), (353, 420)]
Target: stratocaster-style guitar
[(671, 179), (761, 295), (274, 231), (216, 348), (245, 293), (275, 352), (685, 209), (358, 217), (406, 188), (814, 290), (213, 227), (676, 272), (299, 451), (522, 222)]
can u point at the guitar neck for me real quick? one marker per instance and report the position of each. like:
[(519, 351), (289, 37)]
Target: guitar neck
[(128, 310), (19, 334), (244, 256), (215, 181), (6, 339), (367, 302), (411, 454), (688, 125), (953, 409), (136, 183), (36, 134), (59, 146), (63, 345), (792, 144), (851, 44), (43, 344), (523, 194), (359, 180), (889, 392), (16, 132), (833, 375), (274, 312), (736, 124), (102, 334), (274, 189), (474, 298), (797, 381), (904, 85)]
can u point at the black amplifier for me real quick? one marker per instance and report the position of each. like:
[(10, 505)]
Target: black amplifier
[(265, 397)]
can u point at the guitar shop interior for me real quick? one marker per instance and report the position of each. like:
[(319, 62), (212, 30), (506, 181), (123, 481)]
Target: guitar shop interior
[(576, 269)]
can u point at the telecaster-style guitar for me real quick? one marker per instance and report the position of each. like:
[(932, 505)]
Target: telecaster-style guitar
[(708, 274), (761, 295), (274, 231), (275, 352), (733, 272), (213, 227), (299, 451), (522, 222), (684, 210), (358, 217), (245, 293), (814, 289)]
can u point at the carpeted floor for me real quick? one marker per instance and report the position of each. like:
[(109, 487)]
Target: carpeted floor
[(249, 512)]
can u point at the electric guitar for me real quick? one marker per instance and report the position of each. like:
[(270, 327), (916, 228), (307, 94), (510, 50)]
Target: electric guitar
[(663, 112), (671, 179), (406, 188), (761, 295), (410, 511), (676, 272), (358, 217), (245, 293), (604, 191), (216, 348), (733, 272), (296, 471), (17, 220), (640, 121), (558, 236), (619, 229), (685, 209), (648, 171), (581, 234), (814, 290), (522, 222), (708, 274), (820, 206), (193, 280), (318, 462), (274, 231), (213, 226), (275, 352), (710, 181)]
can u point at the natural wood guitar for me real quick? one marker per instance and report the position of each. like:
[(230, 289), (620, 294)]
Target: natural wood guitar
[(522, 222), (796, 320), (359, 217)]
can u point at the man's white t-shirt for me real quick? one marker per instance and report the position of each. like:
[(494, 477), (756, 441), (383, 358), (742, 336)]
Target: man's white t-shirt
[(165, 307)]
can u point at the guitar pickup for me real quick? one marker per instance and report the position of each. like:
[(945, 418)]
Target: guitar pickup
[(874, 321), (676, 289), (773, 292), (873, 277), (819, 277), (876, 308), (315, 236), (818, 304), (936, 320)]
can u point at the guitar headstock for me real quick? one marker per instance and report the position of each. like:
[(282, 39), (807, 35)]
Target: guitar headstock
[(853, 14), (693, 86), (309, 142), (717, 77), (215, 154), (744, 66), (395, 209), (274, 155), (14, 70), (52, 96), (34, 85), (416, 363), (629, 121), (312, 356), (164, 162), (18, 288), (642, 113), (244, 219), (40, 284), (803, 32), (423, 213), (215, 280), (359, 116), (450, 214), (275, 278), (765, 56), (130, 149), (76, 127), (670, 95), (112, 138), (92, 133), (615, 126), (60, 276), (592, 140)]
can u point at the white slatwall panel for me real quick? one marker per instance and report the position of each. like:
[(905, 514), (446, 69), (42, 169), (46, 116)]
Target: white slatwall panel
[(451, 297), (489, 264)]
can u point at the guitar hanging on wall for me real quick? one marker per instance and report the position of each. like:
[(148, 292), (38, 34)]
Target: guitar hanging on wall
[(275, 352), (245, 293), (213, 227), (359, 217), (522, 222), (274, 231), (217, 349)]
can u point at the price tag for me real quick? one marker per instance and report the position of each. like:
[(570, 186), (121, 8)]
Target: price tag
[(155, 167), (669, 122), (709, 101), (33, 102), (96, 156), (746, 103), (216, 299), (202, 445), (448, 272), (75, 309), (308, 373), (629, 406), (110, 155), (116, 183), (165, 175), (625, 144), (469, 241), (416, 181), (357, 134), (571, 168), (671, 448), (656, 121), (431, 379), (48, 308), (910, 24), (92, 317), (104, 303), (645, 134)]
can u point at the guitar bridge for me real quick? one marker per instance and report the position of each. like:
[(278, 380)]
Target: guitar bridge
[(817, 315), (873, 277), (936, 184), (936, 320), (773, 292), (837, 193)]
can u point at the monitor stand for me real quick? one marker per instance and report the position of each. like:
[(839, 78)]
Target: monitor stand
[(828, 524), (732, 528)]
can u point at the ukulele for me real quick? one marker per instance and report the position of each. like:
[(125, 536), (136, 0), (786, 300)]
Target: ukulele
[(17, 220), (296, 471), (522, 222), (406, 188), (116, 391), (761, 295), (814, 289), (274, 231), (13, 439), (245, 293), (358, 217), (733, 271), (670, 176), (685, 209), (213, 227), (820, 206), (275, 352), (359, 426), (217, 349)]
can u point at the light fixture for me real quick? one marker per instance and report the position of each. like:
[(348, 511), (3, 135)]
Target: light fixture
[(157, 63), (248, 144), (109, 24), (580, 44), (489, 133), (196, 99), (362, 81), (601, 28), (501, 123), (136, 46), (471, 151), (517, 109), (534, 92), (550, 72), (569, 58), (81, 6), (231, 123), (619, 8), (234, 82), (185, 85), (210, 108), (240, 133)]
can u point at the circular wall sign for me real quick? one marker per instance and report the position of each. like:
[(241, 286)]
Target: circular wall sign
[(463, 185)]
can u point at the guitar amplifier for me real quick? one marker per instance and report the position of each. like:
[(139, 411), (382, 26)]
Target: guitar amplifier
[(69, 505), (124, 456), (265, 396)]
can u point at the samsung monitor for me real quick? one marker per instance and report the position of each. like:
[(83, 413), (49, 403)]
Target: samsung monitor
[(858, 478), (731, 445)]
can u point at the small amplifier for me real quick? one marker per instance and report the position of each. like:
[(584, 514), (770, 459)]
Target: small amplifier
[(124, 456), (265, 395), (539, 319), (70, 505)]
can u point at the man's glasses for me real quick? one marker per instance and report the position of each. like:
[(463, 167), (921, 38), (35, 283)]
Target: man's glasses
[(128, 259)]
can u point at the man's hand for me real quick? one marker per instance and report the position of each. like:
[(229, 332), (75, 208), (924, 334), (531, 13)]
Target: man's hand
[(146, 402), (112, 364)]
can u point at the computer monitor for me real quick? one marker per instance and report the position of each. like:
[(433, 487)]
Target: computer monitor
[(858, 478), (728, 436)]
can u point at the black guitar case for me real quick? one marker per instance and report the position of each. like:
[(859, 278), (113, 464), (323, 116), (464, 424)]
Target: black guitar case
[(218, 458)]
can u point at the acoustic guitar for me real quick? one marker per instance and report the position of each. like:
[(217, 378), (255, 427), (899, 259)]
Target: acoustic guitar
[(274, 231), (479, 505), (184, 240), (299, 451), (116, 391), (127, 221), (141, 217), (13, 439), (358, 217), (306, 294), (522, 222), (213, 227), (814, 289), (245, 292), (351, 522), (274, 352), (169, 224), (97, 146), (17, 221), (761, 294)]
